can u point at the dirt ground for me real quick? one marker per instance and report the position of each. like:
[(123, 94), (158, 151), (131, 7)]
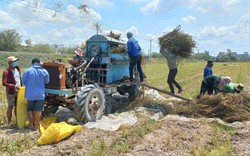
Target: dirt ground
[(172, 138), (175, 136)]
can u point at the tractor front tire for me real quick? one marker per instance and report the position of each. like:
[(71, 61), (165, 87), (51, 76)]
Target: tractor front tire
[(90, 103)]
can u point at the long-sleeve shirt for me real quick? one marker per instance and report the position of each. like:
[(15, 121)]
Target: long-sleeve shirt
[(229, 88), (35, 78), (171, 58), (134, 48), (9, 81), (212, 81), (207, 71)]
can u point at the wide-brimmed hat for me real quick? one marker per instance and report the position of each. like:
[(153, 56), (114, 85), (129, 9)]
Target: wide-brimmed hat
[(239, 87), (12, 59), (78, 51)]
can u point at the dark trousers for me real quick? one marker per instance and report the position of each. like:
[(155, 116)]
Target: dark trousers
[(205, 88), (135, 61), (171, 80)]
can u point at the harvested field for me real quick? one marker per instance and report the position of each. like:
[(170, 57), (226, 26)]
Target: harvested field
[(229, 107), (182, 132)]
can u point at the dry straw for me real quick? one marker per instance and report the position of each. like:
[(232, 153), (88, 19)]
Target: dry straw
[(228, 107), (177, 42)]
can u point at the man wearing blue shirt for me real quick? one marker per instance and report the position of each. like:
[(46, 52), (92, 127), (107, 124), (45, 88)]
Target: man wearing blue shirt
[(208, 69), (134, 52), (35, 78)]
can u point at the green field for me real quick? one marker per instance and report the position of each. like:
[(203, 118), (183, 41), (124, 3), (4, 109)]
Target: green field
[(190, 75)]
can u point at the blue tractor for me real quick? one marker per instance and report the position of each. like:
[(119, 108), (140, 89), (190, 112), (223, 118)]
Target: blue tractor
[(104, 69)]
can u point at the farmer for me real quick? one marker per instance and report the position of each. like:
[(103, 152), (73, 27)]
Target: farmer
[(35, 78), (214, 83), (172, 65), (233, 88), (77, 59), (208, 69), (134, 52), (12, 81)]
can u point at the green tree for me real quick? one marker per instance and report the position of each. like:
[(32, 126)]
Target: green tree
[(202, 56), (43, 48), (156, 55), (9, 40)]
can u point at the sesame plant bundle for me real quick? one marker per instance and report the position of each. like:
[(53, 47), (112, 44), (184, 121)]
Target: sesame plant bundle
[(177, 42)]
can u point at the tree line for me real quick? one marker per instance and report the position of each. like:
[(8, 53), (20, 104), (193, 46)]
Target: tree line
[(10, 41)]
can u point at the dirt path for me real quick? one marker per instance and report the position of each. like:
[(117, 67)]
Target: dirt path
[(172, 138)]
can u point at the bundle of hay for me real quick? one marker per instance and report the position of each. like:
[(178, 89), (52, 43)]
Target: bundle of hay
[(177, 42), (229, 107), (114, 35)]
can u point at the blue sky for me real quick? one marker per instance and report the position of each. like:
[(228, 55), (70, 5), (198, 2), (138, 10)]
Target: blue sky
[(216, 25)]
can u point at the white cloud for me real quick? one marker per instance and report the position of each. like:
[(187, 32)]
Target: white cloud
[(138, 1), (21, 12), (64, 26), (99, 3), (197, 5), (189, 19), (216, 31), (134, 30), (224, 37), (245, 18), (152, 6), (5, 20)]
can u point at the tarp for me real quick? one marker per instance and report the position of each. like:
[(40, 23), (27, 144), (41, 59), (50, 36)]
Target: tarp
[(113, 122)]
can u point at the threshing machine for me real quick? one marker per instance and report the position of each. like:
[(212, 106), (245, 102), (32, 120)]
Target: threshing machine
[(104, 69)]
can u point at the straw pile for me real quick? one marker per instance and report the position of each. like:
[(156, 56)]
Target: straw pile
[(177, 42), (114, 35), (229, 107)]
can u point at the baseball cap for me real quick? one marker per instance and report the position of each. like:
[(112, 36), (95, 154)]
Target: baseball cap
[(12, 59)]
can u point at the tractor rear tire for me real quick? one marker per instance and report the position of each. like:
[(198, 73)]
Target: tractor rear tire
[(90, 103)]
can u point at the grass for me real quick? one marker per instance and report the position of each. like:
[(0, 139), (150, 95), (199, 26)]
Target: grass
[(219, 144), (129, 137), (25, 58), (10, 146)]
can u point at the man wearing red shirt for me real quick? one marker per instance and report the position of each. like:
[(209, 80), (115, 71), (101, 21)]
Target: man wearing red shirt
[(12, 81)]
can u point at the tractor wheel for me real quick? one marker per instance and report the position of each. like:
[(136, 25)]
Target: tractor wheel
[(90, 103)]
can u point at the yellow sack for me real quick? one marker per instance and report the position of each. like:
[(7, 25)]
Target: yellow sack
[(44, 124), (56, 132), (21, 110)]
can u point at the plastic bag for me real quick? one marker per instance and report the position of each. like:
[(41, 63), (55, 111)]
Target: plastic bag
[(22, 103), (57, 132)]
